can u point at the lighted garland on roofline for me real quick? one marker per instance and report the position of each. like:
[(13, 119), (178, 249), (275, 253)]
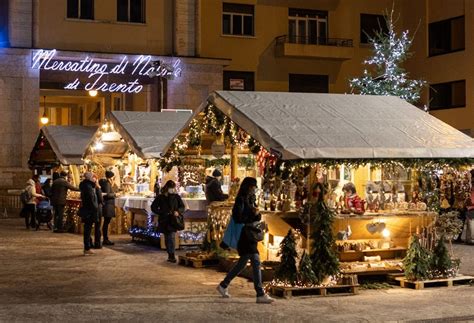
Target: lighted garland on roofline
[(217, 123)]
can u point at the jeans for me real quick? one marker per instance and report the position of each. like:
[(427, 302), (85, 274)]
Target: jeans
[(240, 265), (87, 234), (29, 211), (170, 242), (105, 228), (58, 217)]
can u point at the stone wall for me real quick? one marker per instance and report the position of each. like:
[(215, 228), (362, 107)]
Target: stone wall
[(184, 29), (199, 78), (19, 109), (20, 23)]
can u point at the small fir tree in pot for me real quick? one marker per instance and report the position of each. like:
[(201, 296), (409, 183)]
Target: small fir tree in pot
[(324, 258), (417, 260), (441, 264), (286, 272), (306, 276)]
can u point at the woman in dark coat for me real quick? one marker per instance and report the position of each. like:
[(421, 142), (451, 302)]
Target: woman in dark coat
[(89, 210), (245, 212), (168, 206), (108, 209)]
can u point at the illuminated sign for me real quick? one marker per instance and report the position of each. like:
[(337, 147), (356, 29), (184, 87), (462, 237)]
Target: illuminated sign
[(140, 67)]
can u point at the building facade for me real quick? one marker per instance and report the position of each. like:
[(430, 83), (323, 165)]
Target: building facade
[(261, 45)]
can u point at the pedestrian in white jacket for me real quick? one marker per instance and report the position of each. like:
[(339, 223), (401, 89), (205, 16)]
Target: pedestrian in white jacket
[(30, 207)]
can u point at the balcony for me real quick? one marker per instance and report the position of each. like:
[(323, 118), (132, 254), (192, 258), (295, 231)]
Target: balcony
[(314, 47)]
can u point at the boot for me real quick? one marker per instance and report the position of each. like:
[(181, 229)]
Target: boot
[(171, 258)]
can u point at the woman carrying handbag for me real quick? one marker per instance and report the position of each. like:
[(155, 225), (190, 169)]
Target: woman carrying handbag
[(170, 208), (245, 212)]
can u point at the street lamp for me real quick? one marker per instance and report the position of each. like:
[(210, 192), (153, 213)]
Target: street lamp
[(44, 119)]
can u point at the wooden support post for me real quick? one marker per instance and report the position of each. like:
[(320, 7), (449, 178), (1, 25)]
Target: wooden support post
[(234, 161)]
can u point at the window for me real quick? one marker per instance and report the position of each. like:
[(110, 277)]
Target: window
[(307, 26), (4, 24), (238, 81), (448, 95), (80, 9), (370, 25), (238, 19), (446, 36), (131, 11), (308, 83)]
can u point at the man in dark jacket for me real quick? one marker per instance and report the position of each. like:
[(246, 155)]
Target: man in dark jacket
[(108, 209), (89, 211), (213, 188), (58, 199)]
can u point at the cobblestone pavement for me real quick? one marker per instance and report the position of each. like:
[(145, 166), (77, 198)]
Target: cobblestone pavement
[(45, 277)]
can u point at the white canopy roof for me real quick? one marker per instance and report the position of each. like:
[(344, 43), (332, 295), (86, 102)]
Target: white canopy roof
[(69, 142), (150, 134), (337, 126)]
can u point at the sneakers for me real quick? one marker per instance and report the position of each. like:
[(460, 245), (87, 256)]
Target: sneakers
[(265, 299), (223, 291), (88, 253), (108, 243)]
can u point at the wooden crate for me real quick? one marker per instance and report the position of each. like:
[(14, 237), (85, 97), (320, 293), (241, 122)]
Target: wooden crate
[(197, 262), (335, 290), (443, 282)]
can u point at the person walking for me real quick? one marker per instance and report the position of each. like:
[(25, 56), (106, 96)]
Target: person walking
[(30, 206), (89, 210), (169, 207), (245, 212), (108, 209), (59, 191), (213, 188)]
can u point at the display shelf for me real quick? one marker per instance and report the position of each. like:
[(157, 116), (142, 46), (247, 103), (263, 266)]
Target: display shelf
[(398, 214), (373, 250)]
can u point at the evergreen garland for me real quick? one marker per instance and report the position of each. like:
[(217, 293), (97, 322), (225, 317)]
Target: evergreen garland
[(441, 264), (306, 276), (417, 260), (323, 255), (286, 272)]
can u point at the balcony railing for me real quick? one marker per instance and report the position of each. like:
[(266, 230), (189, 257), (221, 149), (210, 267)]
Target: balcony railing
[(305, 40)]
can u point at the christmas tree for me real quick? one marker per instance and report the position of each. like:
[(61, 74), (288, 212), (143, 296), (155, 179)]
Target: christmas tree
[(441, 263), (306, 276), (417, 260), (286, 272), (390, 50), (323, 255)]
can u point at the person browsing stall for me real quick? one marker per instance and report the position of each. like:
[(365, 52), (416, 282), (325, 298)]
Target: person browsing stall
[(213, 188), (59, 191), (170, 208), (108, 209)]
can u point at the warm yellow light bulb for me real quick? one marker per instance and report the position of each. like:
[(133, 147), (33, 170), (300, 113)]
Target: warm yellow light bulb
[(386, 233), (44, 120), (93, 93)]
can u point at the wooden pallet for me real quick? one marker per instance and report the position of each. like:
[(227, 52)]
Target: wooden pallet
[(445, 282), (197, 262), (336, 290)]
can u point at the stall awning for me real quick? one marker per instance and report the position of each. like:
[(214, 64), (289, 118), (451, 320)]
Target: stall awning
[(338, 126), (68, 142), (150, 134)]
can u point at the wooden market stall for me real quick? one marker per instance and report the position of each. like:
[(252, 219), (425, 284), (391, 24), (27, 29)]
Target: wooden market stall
[(131, 145), (391, 151), (59, 148)]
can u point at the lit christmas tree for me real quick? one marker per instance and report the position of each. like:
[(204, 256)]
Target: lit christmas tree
[(286, 272), (417, 260), (323, 253), (441, 263), (306, 276), (390, 50)]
